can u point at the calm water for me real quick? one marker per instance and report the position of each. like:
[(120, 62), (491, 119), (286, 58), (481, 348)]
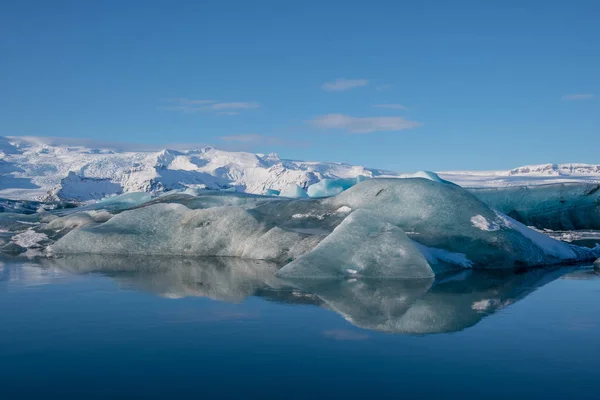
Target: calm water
[(220, 328)]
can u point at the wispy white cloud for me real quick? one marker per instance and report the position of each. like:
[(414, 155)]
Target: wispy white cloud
[(362, 125), (235, 105), (578, 96), (94, 144), (184, 100), (255, 138), (342, 84), (220, 107), (393, 106)]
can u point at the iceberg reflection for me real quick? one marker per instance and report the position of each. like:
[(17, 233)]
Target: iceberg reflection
[(449, 303)]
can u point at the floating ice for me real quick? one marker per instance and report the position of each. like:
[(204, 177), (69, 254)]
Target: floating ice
[(293, 191), (128, 199), (440, 216), (453, 228), (560, 206), (271, 192), (364, 245), (175, 229), (332, 187)]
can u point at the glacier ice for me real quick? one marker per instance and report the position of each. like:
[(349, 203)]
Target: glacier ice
[(176, 229), (432, 176), (363, 245), (271, 192), (293, 191), (332, 187), (439, 225), (559, 206), (440, 216), (127, 199)]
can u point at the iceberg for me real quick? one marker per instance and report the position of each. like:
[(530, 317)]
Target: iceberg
[(450, 218), (173, 229), (559, 206), (332, 187), (378, 228), (363, 245)]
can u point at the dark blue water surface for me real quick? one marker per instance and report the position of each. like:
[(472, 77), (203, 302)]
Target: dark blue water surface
[(97, 327)]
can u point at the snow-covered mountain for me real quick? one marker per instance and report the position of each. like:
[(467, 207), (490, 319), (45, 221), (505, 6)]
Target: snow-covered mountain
[(38, 168), (526, 175), (31, 168)]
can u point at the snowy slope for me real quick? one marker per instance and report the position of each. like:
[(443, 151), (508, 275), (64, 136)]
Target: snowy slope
[(526, 175), (30, 168), (38, 168)]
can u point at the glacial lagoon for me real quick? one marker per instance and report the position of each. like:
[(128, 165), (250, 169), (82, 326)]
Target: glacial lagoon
[(169, 327)]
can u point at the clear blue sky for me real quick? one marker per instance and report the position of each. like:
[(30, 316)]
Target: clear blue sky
[(403, 85)]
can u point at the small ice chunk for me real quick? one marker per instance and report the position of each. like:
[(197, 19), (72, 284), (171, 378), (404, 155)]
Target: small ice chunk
[(271, 192), (343, 210), (332, 187), (293, 191)]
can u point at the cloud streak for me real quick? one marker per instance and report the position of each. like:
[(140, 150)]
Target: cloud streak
[(190, 106), (571, 97), (392, 106), (362, 125), (342, 84)]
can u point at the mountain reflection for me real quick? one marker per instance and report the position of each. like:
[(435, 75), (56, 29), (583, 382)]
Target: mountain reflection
[(449, 303)]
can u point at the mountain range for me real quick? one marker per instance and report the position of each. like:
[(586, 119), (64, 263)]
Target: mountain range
[(33, 168)]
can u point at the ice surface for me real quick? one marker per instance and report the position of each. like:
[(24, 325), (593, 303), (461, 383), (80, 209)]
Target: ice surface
[(442, 261), (561, 206), (441, 216), (176, 229), (363, 245), (332, 187), (130, 199), (432, 176), (293, 191), (449, 228), (272, 192)]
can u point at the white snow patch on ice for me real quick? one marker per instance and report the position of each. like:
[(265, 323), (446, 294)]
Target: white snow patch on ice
[(29, 238), (549, 245), (480, 222)]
